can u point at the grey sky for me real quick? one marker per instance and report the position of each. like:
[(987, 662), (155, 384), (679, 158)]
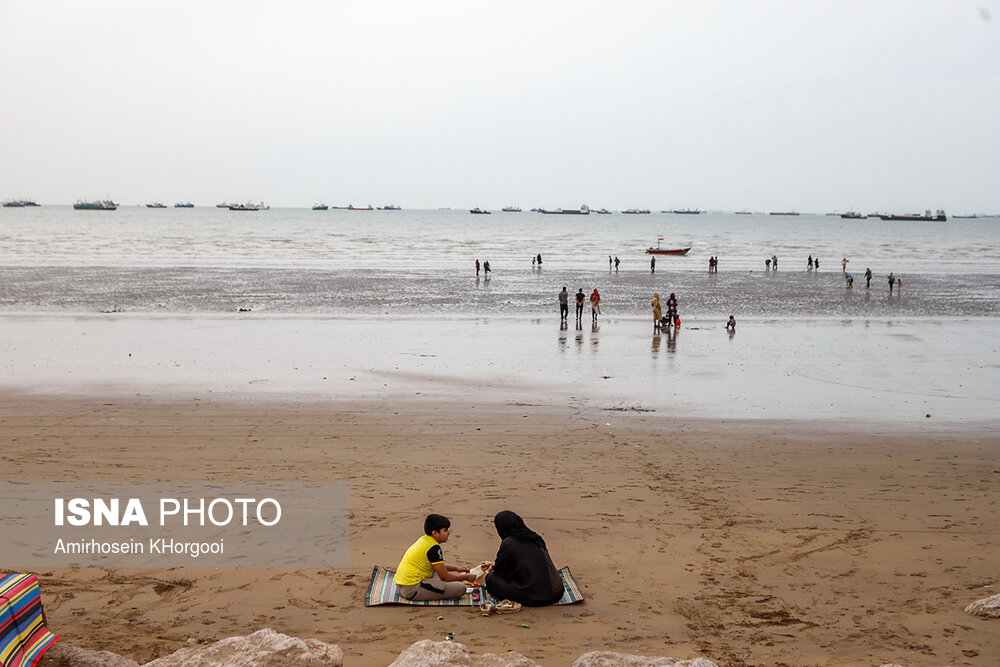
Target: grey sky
[(765, 105)]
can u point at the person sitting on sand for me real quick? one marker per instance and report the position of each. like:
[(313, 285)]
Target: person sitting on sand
[(422, 573), (731, 324), (523, 571), (657, 311)]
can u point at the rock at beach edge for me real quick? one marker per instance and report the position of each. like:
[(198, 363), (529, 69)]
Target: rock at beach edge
[(988, 607), (429, 653), (264, 648), (613, 659)]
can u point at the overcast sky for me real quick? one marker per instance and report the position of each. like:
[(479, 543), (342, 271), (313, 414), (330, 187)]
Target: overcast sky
[(810, 105)]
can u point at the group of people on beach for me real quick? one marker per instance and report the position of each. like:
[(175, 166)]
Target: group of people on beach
[(486, 267), (521, 574), (671, 319), (580, 298), (849, 279)]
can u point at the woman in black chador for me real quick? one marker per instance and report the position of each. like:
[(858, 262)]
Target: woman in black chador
[(523, 571)]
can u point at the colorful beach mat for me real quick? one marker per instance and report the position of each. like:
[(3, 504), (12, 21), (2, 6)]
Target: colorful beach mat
[(23, 636), (382, 590)]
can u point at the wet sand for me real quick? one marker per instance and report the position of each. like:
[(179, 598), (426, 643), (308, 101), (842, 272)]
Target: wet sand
[(748, 542), (896, 371), (775, 497)]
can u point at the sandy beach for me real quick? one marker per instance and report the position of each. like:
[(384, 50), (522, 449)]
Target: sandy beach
[(751, 543), (776, 497)]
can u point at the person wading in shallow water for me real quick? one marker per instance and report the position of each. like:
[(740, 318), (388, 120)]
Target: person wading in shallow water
[(595, 305)]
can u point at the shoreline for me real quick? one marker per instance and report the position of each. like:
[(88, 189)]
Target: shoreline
[(746, 542), (867, 371)]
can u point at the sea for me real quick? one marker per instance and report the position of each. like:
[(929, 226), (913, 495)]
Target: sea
[(422, 263)]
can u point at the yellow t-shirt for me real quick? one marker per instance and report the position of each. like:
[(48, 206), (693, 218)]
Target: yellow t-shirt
[(418, 561)]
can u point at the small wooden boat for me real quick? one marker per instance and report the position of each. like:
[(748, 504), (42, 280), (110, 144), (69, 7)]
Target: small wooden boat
[(479, 211), (667, 251)]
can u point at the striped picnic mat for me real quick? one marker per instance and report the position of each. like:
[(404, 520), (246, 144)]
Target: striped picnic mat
[(23, 636), (382, 590)]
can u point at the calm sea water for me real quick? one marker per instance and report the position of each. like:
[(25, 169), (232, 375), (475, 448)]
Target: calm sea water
[(55, 259)]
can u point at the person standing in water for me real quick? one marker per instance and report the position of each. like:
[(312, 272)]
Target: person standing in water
[(617, 262), (652, 264), (595, 305), (672, 310), (868, 278), (477, 268), (892, 281)]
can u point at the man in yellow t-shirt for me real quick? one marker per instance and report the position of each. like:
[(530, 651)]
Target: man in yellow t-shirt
[(423, 574)]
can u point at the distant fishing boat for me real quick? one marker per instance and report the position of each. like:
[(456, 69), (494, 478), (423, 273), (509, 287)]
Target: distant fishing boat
[(852, 215), (583, 210), (479, 211), (783, 213), (223, 205), (511, 209), (19, 203), (603, 211), (741, 213), (249, 206), (185, 204), (102, 205), (686, 211), (636, 211), (156, 204), (320, 207), (352, 207), (938, 217), (390, 207)]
